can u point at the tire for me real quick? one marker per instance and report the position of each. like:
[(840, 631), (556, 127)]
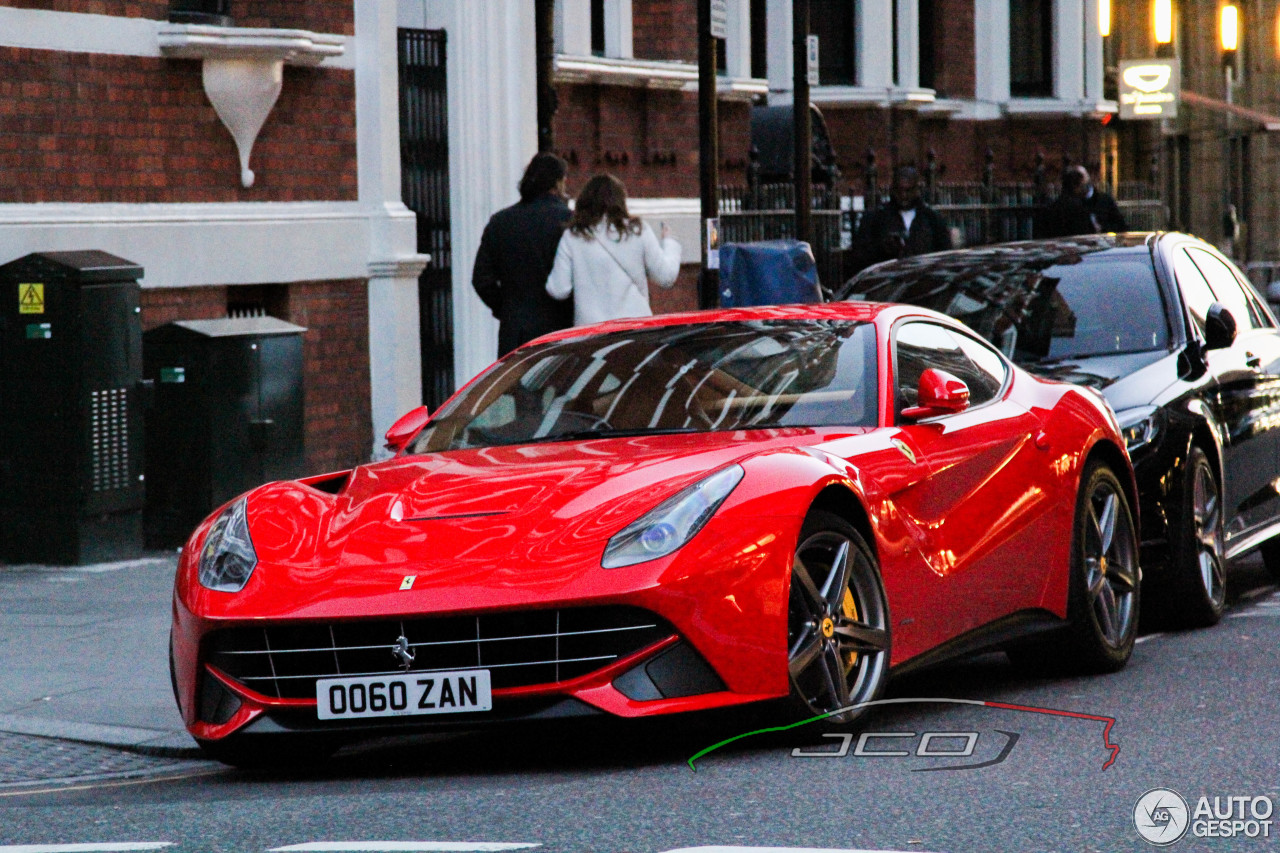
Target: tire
[(1103, 597), (838, 643), (278, 752), (1195, 592)]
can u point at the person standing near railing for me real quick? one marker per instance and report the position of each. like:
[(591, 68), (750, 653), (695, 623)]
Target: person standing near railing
[(1081, 208), (905, 226)]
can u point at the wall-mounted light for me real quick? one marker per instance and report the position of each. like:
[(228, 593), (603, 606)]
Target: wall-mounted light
[(1230, 28), (1162, 14), (1104, 18)]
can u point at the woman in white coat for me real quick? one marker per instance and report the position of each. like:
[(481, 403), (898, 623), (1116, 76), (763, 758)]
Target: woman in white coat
[(607, 257)]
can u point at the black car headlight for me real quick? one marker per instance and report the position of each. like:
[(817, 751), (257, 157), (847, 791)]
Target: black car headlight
[(227, 558), (1141, 426), (668, 526)]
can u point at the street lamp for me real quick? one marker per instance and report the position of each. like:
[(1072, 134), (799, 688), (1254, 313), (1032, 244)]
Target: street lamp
[(1229, 38), (1162, 18)]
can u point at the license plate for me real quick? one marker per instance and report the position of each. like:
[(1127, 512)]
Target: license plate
[(411, 694)]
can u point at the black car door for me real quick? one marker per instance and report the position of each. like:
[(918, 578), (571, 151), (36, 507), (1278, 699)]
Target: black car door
[(1246, 401)]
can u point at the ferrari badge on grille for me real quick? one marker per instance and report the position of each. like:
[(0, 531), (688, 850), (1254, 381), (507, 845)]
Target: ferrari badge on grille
[(401, 650)]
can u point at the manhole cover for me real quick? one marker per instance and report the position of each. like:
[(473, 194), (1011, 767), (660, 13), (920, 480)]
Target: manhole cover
[(27, 760)]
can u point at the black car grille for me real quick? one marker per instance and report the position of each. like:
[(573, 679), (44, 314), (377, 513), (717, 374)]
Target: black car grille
[(518, 649)]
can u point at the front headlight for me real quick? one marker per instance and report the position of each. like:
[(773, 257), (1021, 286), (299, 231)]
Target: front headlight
[(672, 523), (1140, 426), (228, 558)]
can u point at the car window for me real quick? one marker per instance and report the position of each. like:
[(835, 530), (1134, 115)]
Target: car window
[(920, 346), (1195, 289), (1226, 287), (696, 377), (1034, 310)]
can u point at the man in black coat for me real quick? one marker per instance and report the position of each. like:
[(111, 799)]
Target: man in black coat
[(905, 226), (516, 253), (1082, 208)]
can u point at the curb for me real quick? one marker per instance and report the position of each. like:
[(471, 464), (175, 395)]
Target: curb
[(152, 742)]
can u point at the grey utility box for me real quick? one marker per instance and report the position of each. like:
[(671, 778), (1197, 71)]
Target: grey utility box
[(228, 416), (71, 400)]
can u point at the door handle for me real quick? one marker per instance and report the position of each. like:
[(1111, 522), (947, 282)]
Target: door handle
[(1252, 361)]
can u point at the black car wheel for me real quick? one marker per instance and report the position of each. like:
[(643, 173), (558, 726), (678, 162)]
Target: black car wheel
[(838, 628), (1196, 589)]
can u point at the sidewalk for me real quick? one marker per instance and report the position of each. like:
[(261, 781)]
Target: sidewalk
[(84, 655)]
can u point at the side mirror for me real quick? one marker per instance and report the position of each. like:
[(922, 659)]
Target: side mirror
[(939, 393), (403, 430), (1219, 327)]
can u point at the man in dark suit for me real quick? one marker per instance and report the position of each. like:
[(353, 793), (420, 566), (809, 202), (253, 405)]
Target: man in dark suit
[(516, 253), (905, 226), (1082, 208)]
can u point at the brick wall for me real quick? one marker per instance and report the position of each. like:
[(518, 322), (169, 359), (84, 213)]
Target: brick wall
[(323, 16), (683, 295), (648, 138), (98, 128), (335, 354), (960, 146), (665, 29)]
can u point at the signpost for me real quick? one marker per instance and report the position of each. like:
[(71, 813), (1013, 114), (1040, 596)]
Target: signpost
[(1149, 88)]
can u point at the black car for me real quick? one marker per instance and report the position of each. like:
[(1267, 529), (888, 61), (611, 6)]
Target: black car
[(1174, 337)]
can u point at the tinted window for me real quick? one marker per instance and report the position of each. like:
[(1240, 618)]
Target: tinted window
[(1195, 290), (695, 378), (1227, 288), (1061, 308), (920, 346)]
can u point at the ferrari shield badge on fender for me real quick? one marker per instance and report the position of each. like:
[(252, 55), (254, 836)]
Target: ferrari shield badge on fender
[(906, 451), (407, 583)]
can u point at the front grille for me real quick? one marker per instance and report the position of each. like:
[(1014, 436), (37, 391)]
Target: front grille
[(518, 649)]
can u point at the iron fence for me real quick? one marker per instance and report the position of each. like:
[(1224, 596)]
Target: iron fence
[(978, 213)]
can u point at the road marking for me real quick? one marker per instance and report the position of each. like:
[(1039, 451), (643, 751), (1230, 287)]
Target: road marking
[(123, 847), (1271, 611), (411, 847), (781, 850), (147, 780)]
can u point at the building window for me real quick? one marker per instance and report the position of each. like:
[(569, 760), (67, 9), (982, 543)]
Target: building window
[(833, 22), (759, 39), (928, 47), (597, 27), (1031, 48)]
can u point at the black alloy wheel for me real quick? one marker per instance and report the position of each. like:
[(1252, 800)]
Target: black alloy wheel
[(1196, 592), (838, 627)]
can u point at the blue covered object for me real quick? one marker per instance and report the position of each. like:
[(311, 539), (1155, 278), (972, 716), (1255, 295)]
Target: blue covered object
[(771, 272)]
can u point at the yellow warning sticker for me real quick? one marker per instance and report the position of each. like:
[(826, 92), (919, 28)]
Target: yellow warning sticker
[(30, 298)]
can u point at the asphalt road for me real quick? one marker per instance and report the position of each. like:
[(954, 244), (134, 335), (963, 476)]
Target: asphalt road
[(1194, 712)]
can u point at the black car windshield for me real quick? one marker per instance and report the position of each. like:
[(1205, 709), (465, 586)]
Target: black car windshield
[(1065, 308), (682, 378)]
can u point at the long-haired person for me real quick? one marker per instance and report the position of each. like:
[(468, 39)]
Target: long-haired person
[(516, 253), (607, 257)]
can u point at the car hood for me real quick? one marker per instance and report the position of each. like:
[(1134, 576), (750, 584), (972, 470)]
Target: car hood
[(1125, 379), (547, 503)]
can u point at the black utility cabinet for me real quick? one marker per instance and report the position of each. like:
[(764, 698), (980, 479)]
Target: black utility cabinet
[(71, 398), (228, 416)]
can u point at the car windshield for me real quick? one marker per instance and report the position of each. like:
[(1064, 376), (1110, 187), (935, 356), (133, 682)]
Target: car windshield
[(1067, 308), (683, 378)]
